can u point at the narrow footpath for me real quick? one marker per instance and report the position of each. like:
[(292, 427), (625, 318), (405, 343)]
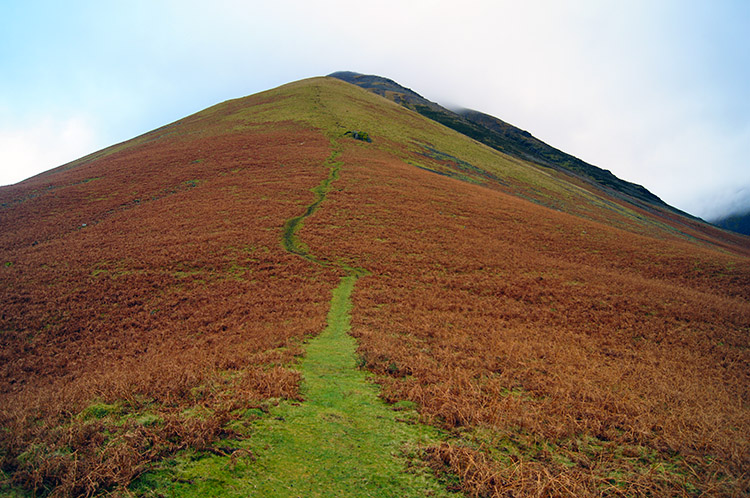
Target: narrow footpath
[(342, 440)]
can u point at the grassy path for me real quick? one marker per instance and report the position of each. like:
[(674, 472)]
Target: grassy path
[(343, 440), (289, 238)]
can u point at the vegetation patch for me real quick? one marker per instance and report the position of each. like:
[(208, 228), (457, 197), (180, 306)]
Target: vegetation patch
[(459, 168), (359, 135)]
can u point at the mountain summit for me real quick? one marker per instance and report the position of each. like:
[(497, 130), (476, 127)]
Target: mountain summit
[(317, 291)]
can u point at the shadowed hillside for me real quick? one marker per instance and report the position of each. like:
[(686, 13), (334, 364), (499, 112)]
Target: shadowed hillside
[(164, 303), (739, 223)]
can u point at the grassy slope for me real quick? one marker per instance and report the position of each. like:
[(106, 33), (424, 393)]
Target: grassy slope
[(627, 199), (501, 136), (428, 144), (147, 298), (491, 313), (579, 357)]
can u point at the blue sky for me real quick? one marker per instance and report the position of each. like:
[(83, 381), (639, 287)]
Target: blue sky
[(655, 91)]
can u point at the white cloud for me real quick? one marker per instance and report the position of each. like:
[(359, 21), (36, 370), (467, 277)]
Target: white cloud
[(43, 144)]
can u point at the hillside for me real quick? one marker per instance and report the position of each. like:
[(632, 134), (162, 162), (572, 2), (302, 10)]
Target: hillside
[(739, 223), (178, 313), (500, 136)]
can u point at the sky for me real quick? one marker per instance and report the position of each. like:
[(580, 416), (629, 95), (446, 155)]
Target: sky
[(657, 91)]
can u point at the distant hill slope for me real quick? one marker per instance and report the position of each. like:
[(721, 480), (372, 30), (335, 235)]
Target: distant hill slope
[(739, 223), (499, 135)]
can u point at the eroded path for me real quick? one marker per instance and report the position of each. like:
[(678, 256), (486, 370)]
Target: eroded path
[(342, 440)]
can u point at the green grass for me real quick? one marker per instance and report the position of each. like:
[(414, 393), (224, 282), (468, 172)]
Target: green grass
[(289, 238), (342, 440)]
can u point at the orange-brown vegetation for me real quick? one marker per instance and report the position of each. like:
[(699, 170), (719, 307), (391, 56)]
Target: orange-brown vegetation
[(147, 301), (568, 357)]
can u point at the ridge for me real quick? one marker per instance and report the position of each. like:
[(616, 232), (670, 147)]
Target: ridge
[(502, 136)]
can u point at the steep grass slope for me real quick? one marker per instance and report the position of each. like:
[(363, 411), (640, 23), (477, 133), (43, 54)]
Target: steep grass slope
[(570, 342)]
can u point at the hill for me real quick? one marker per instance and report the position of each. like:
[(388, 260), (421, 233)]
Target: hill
[(739, 223), (175, 312)]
